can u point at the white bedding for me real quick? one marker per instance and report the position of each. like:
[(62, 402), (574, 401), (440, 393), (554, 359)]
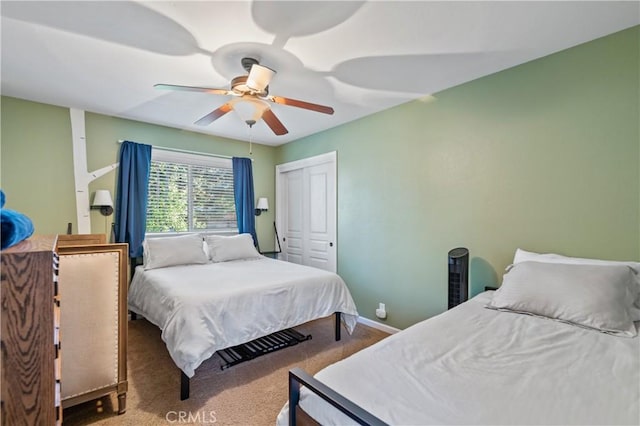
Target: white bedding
[(204, 308), (473, 365)]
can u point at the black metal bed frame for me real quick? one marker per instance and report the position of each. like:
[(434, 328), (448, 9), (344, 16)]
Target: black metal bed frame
[(298, 377), (184, 379), (261, 346)]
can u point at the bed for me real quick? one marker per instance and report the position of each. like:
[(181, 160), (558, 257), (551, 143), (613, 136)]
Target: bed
[(556, 344), (214, 294)]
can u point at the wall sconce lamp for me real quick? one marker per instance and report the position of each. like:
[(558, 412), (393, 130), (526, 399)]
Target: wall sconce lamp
[(102, 201), (262, 206)]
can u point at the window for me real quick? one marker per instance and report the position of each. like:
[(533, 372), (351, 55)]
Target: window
[(189, 193)]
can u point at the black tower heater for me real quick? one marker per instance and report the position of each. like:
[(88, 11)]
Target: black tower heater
[(458, 276)]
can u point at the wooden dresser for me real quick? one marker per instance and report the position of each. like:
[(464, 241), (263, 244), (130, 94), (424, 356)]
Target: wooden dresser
[(65, 240), (30, 334)]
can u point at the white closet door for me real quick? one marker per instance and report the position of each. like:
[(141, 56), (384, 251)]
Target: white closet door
[(293, 237), (319, 247), (306, 200)]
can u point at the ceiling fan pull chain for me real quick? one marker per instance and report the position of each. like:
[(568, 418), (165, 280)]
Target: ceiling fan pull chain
[(250, 123)]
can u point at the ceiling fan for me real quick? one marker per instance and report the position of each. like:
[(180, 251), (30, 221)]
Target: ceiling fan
[(251, 98)]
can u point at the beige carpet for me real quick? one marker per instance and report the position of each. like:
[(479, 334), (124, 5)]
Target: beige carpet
[(251, 393)]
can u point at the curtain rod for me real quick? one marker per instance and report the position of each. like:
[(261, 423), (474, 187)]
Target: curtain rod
[(186, 151)]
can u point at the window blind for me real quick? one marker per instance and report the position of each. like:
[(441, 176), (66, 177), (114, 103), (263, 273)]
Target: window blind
[(189, 194)]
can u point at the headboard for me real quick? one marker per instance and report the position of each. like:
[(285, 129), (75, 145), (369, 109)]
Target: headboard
[(135, 261)]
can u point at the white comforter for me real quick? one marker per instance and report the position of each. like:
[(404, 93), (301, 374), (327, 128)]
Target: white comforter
[(473, 365), (204, 308)]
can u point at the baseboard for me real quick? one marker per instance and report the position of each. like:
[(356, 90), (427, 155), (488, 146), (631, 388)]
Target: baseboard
[(377, 325)]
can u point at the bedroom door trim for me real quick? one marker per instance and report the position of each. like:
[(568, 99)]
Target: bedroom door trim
[(329, 159)]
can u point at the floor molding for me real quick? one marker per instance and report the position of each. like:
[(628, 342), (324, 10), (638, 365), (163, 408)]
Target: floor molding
[(378, 325)]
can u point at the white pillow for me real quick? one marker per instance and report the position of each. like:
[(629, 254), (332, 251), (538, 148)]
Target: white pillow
[(236, 247), (525, 256), (171, 251), (592, 296)]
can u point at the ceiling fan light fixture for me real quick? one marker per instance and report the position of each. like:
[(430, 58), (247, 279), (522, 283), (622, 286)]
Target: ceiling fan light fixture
[(250, 109), (259, 77)]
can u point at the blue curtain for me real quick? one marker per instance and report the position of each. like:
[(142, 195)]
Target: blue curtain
[(243, 194), (131, 198)]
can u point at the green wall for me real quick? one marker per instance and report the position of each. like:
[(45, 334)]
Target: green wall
[(37, 162), (543, 156)]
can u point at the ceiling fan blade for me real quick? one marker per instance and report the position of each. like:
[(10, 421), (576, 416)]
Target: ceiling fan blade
[(214, 115), (192, 89), (301, 104), (272, 121)]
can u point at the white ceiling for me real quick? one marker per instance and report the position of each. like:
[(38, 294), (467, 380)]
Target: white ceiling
[(358, 57)]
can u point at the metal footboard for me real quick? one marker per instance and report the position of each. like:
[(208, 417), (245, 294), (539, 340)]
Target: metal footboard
[(298, 377)]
